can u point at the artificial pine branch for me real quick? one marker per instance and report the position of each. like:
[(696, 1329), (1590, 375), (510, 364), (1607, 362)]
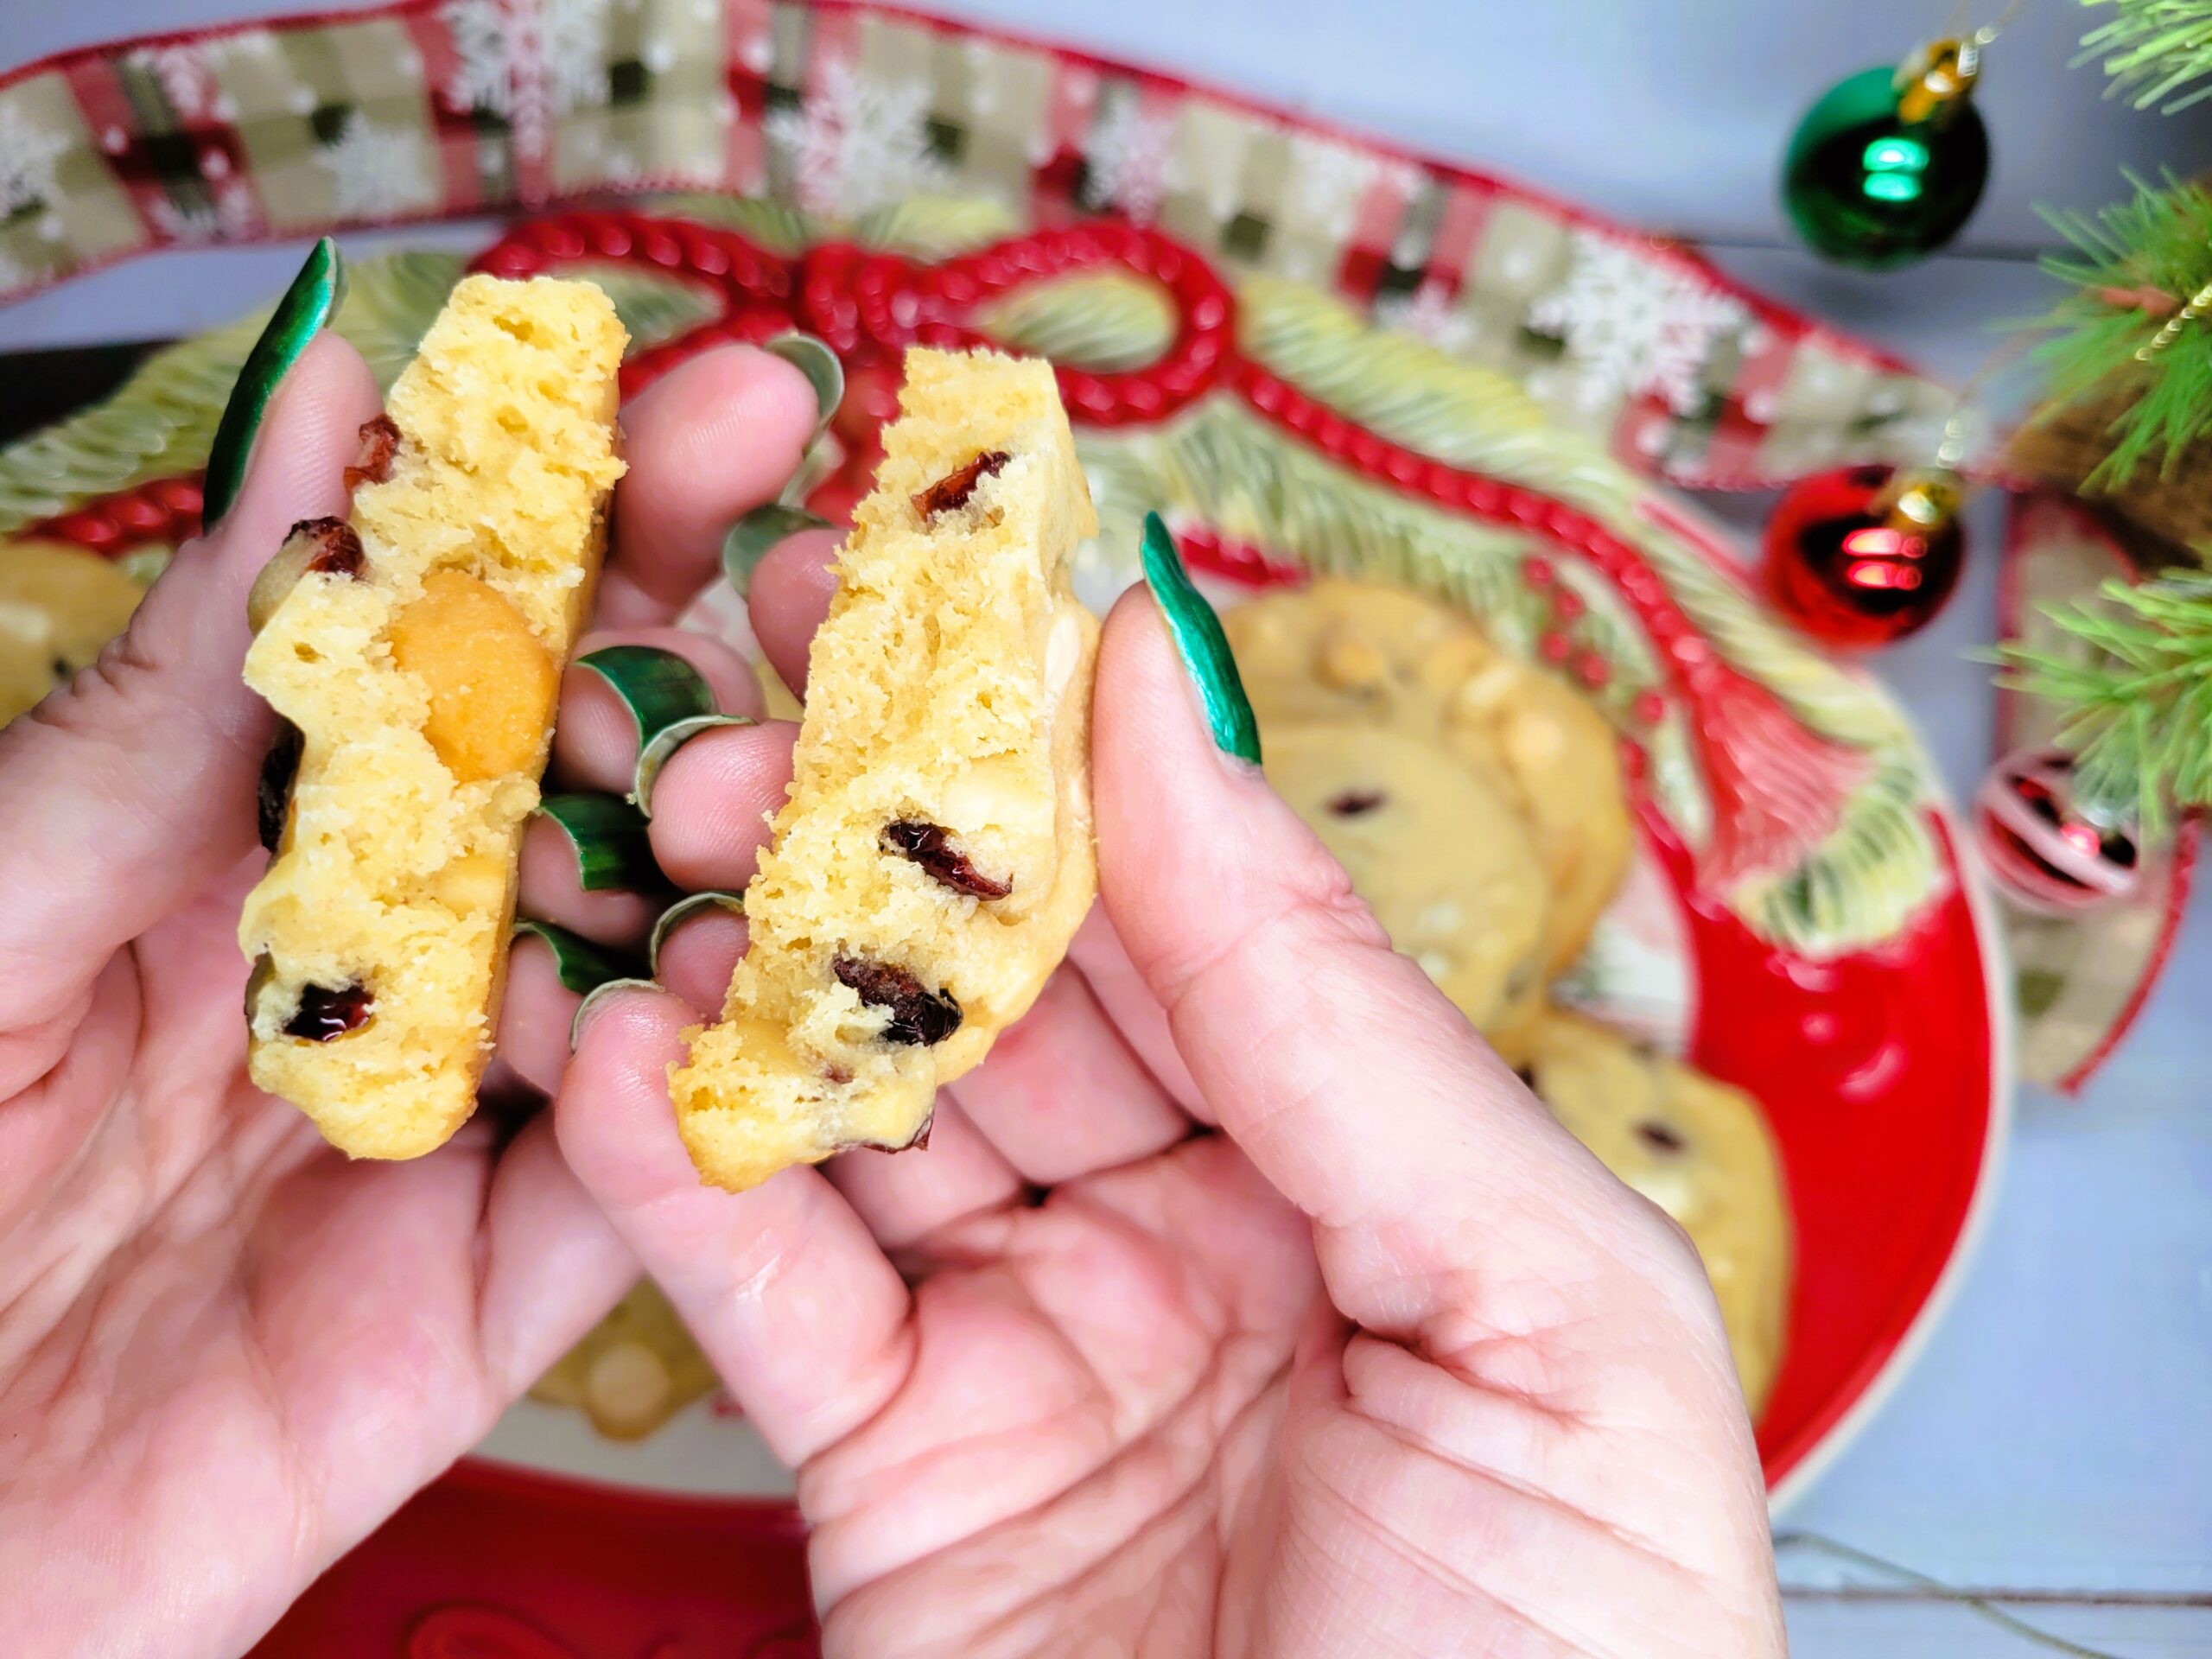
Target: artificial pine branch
[(2136, 266), (2153, 49), (2138, 715)]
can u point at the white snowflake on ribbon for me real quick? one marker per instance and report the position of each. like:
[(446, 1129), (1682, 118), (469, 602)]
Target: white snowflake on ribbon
[(228, 218), (377, 171), (526, 63), (1430, 313), (1330, 179), (28, 153), (859, 141), (183, 75), (1130, 161), (1631, 325)]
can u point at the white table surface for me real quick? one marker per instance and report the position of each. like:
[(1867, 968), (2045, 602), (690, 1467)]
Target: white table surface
[(2054, 1443)]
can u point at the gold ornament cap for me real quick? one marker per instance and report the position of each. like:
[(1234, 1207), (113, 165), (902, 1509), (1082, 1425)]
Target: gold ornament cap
[(1935, 80)]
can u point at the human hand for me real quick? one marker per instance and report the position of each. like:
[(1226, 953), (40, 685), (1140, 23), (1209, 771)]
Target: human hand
[(225, 1353), (1242, 1301)]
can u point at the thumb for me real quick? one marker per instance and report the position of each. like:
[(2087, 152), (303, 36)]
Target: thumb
[(122, 796), (1346, 1077)]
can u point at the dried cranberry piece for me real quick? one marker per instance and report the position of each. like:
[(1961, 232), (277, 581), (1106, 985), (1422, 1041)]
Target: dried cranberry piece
[(379, 443), (1353, 802), (917, 1014), (325, 1014), (1659, 1137), (929, 846), (336, 550), (950, 494), (278, 768)]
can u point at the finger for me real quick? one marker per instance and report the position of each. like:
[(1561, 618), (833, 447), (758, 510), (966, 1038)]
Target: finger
[(534, 1016), (1062, 1096), (909, 1198), (782, 1286), (697, 956), (552, 890), (1135, 1012), (1346, 1077), (595, 742), (713, 802), (788, 597), (160, 744), (706, 444)]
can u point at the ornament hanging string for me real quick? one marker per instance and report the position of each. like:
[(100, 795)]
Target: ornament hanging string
[(1972, 44)]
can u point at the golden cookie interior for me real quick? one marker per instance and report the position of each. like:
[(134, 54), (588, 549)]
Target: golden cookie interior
[(414, 653), (935, 855)]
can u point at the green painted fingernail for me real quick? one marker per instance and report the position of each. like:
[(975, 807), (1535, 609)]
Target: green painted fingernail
[(582, 965), (597, 995), (670, 700), (689, 905), (1198, 639), (308, 305), (751, 537), (613, 848), (661, 749), (813, 359)]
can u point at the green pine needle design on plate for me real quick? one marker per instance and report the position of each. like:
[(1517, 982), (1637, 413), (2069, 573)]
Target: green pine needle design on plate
[(2135, 264), (161, 422), (2157, 52), (1107, 321), (2137, 696)]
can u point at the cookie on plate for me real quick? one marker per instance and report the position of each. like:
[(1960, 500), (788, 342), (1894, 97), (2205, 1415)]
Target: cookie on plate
[(633, 1371), (1338, 650), (415, 654), (59, 605), (1698, 1149), (935, 855), (1436, 852)]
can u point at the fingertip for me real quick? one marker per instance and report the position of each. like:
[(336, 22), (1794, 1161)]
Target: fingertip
[(788, 597), (708, 443), (552, 891), (699, 954), (713, 801), (534, 1016), (612, 1116), (595, 738)]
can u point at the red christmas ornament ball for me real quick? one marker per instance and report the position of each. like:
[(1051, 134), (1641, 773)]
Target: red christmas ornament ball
[(2041, 850), (1862, 555)]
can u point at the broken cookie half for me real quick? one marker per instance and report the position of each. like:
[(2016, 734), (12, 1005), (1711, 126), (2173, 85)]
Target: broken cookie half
[(935, 856), (414, 651)]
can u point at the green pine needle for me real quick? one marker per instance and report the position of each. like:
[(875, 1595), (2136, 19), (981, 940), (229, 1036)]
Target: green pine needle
[(2137, 713), (2153, 50), (2161, 240)]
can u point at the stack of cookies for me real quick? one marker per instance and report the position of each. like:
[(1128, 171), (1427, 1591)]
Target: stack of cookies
[(1478, 804)]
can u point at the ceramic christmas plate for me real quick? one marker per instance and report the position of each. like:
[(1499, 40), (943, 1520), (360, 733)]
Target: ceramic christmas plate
[(1311, 354)]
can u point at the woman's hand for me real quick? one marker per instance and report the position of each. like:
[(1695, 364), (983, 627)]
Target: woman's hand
[(225, 1353), (1242, 1302)]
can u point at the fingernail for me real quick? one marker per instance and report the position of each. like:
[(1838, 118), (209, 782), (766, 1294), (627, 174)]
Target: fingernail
[(596, 999), (813, 359), (613, 847), (751, 537), (308, 305), (1198, 639), (689, 905), (669, 699), (581, 965)]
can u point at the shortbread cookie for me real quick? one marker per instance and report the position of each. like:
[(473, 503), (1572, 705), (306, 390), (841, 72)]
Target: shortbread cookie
[(59, 605), (415, 654), (1698, 1149), (633, 1371), (1436, 853), (1351, 651), (935, 856)]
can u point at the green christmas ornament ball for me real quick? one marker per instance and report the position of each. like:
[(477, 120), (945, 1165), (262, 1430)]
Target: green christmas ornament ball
[(1888, 164)]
